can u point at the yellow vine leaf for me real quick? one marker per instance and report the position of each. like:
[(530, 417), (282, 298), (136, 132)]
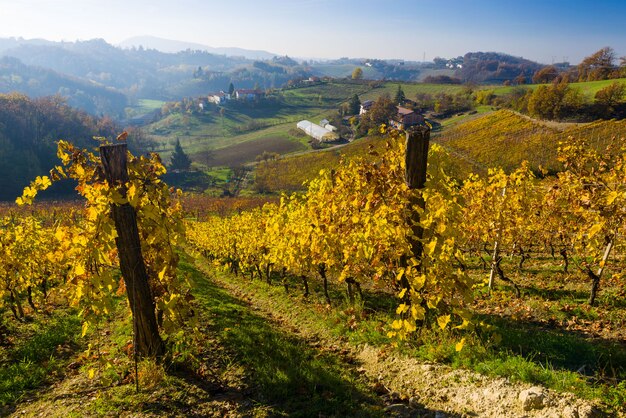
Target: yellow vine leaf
[(443, 321), (460, 344)]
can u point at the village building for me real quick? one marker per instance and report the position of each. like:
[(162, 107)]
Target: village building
[(218, 98), (405, 118), (246, 94), (365, 106)]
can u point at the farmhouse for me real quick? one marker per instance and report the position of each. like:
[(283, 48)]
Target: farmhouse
[(317, 132), (405, 118), (244, 94), (218, 98), (365, 106)]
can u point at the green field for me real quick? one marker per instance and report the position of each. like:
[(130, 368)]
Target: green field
[(589, 88), (143, 107)]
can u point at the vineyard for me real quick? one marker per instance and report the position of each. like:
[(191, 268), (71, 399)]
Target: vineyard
[(384, 251), (479, 142)]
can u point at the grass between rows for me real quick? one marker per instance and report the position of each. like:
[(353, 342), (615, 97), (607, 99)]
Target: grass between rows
[(518, 349), (292, 365)]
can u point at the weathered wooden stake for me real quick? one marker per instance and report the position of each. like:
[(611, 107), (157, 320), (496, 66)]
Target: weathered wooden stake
[(148, 343), (496, 248), (595, 278), (416, 160)]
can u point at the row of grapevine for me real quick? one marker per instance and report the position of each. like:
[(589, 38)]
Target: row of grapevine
[(352, 226)]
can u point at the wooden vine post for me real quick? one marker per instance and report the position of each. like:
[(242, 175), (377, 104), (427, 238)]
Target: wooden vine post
[(147, 340), (416, 160)]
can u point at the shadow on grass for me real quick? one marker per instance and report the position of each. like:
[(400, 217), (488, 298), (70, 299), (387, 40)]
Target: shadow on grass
[(555, 294), (561, 349), (35, 360), (288, 375)]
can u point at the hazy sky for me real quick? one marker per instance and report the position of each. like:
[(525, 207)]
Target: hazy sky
[(542, 30)]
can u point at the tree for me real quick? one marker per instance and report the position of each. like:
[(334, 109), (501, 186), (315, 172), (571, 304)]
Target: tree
[(357, 74), (179, 160), (231, 89), (400, 97), (354, 106), (611, 95), (554, 101), (597, 66), (520, 79), (207, 156), (545, 75), (381, 111)]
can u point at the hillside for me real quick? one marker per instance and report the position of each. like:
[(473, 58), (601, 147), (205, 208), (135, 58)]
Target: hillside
[(505, 139), (492, 67), (29, 129), (224, 130)]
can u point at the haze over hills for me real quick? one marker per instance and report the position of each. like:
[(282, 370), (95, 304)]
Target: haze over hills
[(89, 73), (173, 46)]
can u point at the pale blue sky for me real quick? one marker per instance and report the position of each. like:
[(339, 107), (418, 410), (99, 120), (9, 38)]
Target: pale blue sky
[(542, 30)]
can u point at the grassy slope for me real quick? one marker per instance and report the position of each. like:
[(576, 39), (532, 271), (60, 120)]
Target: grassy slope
[(248, 123), (589, 88)]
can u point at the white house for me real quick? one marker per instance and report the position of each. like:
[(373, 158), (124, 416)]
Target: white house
[(246, 94), (218, 98), (365, 106)]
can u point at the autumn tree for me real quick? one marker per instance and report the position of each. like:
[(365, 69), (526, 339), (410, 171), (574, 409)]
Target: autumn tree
[(520, 79), (381, 111), (357, 74), (545, 75), (611, 95), (179, 159), (597, 66), (555, 101)]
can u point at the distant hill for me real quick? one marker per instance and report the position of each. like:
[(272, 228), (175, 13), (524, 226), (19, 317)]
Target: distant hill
[(29, 129), (97, 99), (172, 46), (495, 68)]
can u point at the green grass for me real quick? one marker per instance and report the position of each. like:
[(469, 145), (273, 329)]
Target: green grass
[(35, 358), (292, 377), (247, 124)]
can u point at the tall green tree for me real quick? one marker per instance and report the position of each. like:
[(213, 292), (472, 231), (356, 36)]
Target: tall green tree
[(179, 159), (354, 106), (400, 97), (231, 89)]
